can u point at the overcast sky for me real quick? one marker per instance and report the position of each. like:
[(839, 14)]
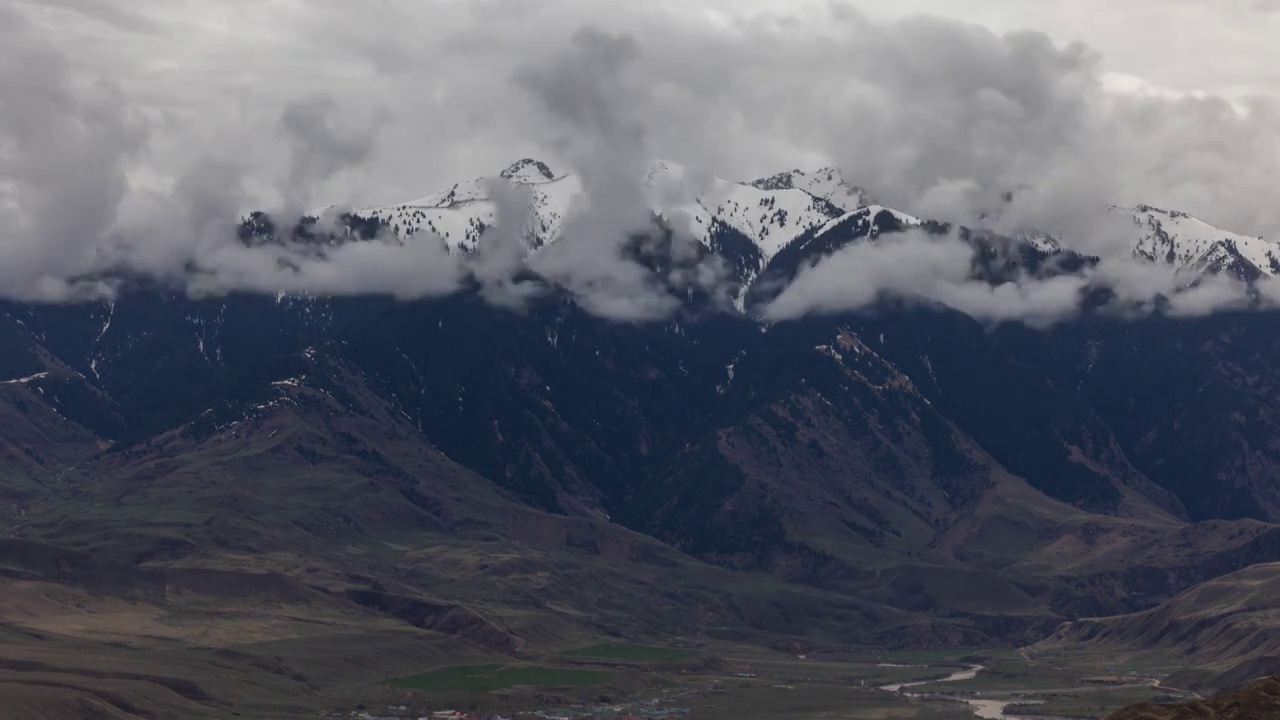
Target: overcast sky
[(213, 70), (131, 129)]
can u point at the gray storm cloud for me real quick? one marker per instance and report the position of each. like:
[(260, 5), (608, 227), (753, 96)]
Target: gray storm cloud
[(148, 173), (321, 148), (589, 99), (63, 150)]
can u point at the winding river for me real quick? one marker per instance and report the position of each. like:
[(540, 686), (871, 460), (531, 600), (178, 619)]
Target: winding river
[(969, 674), (986, 709)]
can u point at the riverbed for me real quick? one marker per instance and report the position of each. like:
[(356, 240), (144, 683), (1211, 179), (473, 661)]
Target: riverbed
[(988, 709), (969, 674)]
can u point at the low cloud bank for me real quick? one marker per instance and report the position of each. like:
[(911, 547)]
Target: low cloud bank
[(917, 267)]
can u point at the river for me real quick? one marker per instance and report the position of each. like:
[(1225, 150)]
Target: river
[(987, 709), (969, 674)]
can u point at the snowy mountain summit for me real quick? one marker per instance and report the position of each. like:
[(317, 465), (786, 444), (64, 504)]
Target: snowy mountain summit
[(770, 212), (751, 223), (528, 172), (1192, 245)]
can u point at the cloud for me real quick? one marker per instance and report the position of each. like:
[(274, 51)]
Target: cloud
[(591, 103), (320, 149), (499, 263), (215, 109), (917, 267), (405, 272)]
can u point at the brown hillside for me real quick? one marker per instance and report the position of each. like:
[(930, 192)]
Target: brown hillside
[(1259, 701), (1221, 623)]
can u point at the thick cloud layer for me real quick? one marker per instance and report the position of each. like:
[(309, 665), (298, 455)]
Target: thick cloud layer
[(137, 153), (917, 267), (590, 101)]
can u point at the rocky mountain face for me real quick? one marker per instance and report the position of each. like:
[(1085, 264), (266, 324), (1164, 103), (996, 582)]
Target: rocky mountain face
[(905, 476)]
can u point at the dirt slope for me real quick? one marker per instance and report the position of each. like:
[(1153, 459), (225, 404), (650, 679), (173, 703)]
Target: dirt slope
[(1259, 701)]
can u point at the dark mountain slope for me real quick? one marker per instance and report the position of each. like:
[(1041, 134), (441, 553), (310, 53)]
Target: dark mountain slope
[(481, 460), (871, 432), (1191, 402), (565, 410), (314, 477)]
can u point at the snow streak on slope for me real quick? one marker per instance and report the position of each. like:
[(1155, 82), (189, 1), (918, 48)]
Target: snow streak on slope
[(868, 220), (1187, 243)]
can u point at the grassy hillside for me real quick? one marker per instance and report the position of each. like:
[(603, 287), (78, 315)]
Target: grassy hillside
[(1225, 625)]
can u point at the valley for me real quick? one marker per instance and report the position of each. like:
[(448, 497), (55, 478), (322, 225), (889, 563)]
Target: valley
[(710, 681)]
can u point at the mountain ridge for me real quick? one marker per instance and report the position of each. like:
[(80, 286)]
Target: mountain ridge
[(461, 213)]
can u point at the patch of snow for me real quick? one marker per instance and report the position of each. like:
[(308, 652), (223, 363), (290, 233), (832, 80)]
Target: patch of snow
[(729, 370), (25, 380), (106, 325), (829, 352)]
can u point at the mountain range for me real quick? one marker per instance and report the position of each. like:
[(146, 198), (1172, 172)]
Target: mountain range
[(448, 473), (772, 213)]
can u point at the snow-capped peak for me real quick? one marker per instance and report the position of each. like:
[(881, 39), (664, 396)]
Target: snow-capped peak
[(769, 218), (1188, 243), (825, 183), (528, 172), (749, 224), (771, 213), (461, 213)]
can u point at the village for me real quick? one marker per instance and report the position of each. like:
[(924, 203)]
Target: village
[(664, 707)]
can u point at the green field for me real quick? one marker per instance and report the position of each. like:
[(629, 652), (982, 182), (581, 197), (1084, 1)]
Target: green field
[(804, 702), (622, 651), (487, 678), (932, 658), (1089, 703)]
